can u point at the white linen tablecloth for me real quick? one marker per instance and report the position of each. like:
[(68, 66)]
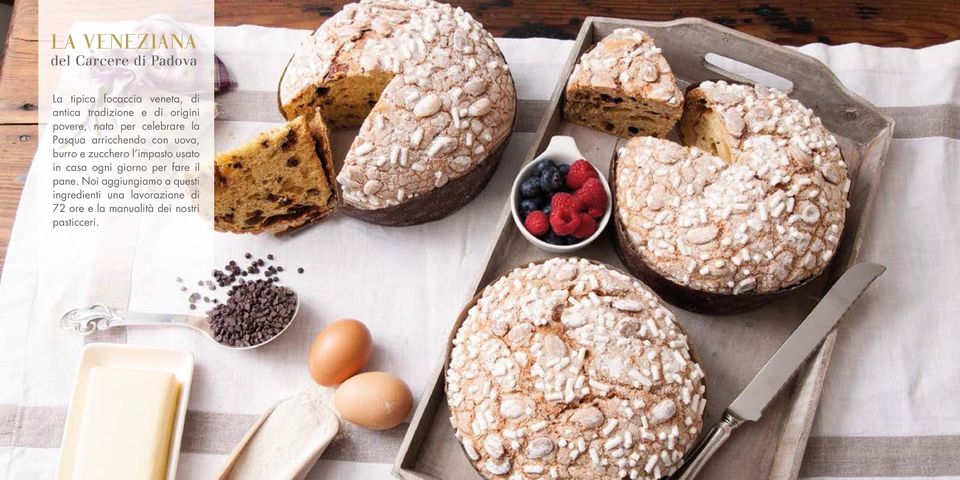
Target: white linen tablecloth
[(889, 406)]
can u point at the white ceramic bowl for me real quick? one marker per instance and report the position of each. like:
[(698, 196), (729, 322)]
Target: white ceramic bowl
[(561, 150)]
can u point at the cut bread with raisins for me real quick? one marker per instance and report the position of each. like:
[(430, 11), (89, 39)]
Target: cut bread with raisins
[(280, 180), (431, 93), (624, 86)]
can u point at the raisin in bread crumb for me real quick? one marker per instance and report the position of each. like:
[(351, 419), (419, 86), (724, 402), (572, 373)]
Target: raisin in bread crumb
[(280, 180), (624, 86)]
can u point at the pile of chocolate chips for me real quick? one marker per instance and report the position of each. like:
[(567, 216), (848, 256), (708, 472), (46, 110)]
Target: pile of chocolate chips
[(256, 309), (255, 312)]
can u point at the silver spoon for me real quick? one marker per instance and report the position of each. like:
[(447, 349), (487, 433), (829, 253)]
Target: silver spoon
[(100, 317)]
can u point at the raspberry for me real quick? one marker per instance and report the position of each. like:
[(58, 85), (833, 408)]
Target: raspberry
[(595, 212), (580, 172), (587, 226), (537, 223), (564, 221), (592, 194), (567, 201)]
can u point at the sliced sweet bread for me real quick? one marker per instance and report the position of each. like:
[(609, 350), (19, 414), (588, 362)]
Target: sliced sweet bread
[(625, 87), (281, 179), (431, 93)]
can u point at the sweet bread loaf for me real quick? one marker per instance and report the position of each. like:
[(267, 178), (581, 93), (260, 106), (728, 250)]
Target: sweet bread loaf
[(625, 87), (753, 207), (570, 369), (431, 93), (280, 180)]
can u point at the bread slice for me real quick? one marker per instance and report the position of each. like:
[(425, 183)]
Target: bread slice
[(624, 87), (280, 180)]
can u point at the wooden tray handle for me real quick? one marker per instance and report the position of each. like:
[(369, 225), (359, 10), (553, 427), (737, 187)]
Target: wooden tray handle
[(809, 76)]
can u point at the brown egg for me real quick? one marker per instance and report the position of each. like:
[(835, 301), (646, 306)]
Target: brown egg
[(339, 351), (374, 400)]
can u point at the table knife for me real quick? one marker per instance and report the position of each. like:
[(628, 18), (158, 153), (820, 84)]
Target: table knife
[(749, 405)]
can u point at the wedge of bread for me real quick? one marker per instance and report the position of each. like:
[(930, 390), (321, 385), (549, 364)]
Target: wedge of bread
[(624, 87), (280, 180)]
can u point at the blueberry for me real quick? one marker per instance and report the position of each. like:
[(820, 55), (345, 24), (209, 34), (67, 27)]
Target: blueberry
[(528, 205), (564, 168), (550, 179), (570, 240), (538, 168), (546, 210), (530, 187)]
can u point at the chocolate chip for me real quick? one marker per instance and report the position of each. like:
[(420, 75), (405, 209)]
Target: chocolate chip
[(253, 313), (300, 270), (231, 277)]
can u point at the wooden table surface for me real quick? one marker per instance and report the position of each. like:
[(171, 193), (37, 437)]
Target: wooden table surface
[(887, 23)]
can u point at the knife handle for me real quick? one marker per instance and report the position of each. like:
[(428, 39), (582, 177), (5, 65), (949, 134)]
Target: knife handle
[(700, 454)]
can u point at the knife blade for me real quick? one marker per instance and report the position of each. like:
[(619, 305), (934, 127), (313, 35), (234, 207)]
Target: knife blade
[(754, 398), (749, 405)]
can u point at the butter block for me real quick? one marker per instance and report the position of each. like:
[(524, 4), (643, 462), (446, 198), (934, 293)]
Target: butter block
[(125, 427)]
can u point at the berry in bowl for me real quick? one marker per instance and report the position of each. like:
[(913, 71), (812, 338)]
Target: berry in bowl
[(560, 202)]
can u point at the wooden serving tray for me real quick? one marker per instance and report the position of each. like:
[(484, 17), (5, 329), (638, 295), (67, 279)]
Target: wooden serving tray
[(731, 348)]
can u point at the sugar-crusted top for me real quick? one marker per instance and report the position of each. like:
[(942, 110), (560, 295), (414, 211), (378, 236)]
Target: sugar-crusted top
[(450, 103), (628, 61), (768, 220), (568, 369)]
